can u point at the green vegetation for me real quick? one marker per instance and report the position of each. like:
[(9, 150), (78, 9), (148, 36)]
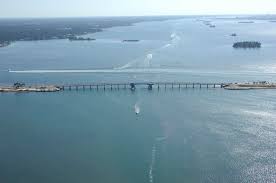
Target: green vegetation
[(247, 44), (63, 28), (4, 43)]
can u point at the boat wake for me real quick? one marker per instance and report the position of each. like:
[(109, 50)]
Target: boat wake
[(146, 61), (137, 108), (153, 157), (152, 164)]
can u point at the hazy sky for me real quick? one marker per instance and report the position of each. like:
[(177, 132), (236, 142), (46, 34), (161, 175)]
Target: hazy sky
[(71, 8)]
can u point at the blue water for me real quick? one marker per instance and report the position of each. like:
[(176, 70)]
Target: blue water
[(180, 135)]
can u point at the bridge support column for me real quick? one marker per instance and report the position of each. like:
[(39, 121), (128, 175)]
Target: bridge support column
[(132, 86), (150, 86), (193, 85), (214, 85)]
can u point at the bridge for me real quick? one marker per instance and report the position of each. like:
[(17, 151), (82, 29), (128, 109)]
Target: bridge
[(134, 85)]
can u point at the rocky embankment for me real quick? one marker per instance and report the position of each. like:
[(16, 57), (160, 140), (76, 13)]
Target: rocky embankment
[(250, 86), (30, 89)]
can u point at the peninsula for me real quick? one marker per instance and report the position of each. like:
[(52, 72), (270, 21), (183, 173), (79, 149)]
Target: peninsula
[(64, 28)]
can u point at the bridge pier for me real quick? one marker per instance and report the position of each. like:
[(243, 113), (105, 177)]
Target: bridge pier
[(150, 86), (193, 85), (132, 86)]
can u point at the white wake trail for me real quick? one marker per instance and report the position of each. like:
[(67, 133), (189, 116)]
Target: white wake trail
[(146, 61), (137, 108)]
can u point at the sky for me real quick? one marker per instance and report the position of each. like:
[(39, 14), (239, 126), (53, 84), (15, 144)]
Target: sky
[(88, 8)]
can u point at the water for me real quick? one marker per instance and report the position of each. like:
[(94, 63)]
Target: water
[(186, 135)]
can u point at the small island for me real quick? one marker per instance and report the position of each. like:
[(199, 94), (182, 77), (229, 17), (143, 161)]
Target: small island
[(247, 44), (233, 35), (75, 38), (131, 40), (246, 22)]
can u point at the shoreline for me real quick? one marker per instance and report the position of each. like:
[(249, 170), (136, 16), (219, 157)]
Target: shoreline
[(71, 28)]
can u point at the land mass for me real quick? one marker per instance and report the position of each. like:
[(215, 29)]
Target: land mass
[(63, 28)]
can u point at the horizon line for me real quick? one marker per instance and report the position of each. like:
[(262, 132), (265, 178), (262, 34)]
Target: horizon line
[(154, 15)]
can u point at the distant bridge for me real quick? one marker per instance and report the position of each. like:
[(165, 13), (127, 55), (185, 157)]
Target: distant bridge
[(134, 85)]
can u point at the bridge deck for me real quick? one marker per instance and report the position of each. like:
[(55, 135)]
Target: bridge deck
[(149, 85)]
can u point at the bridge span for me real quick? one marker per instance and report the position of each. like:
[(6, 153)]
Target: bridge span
[(134, 85)]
